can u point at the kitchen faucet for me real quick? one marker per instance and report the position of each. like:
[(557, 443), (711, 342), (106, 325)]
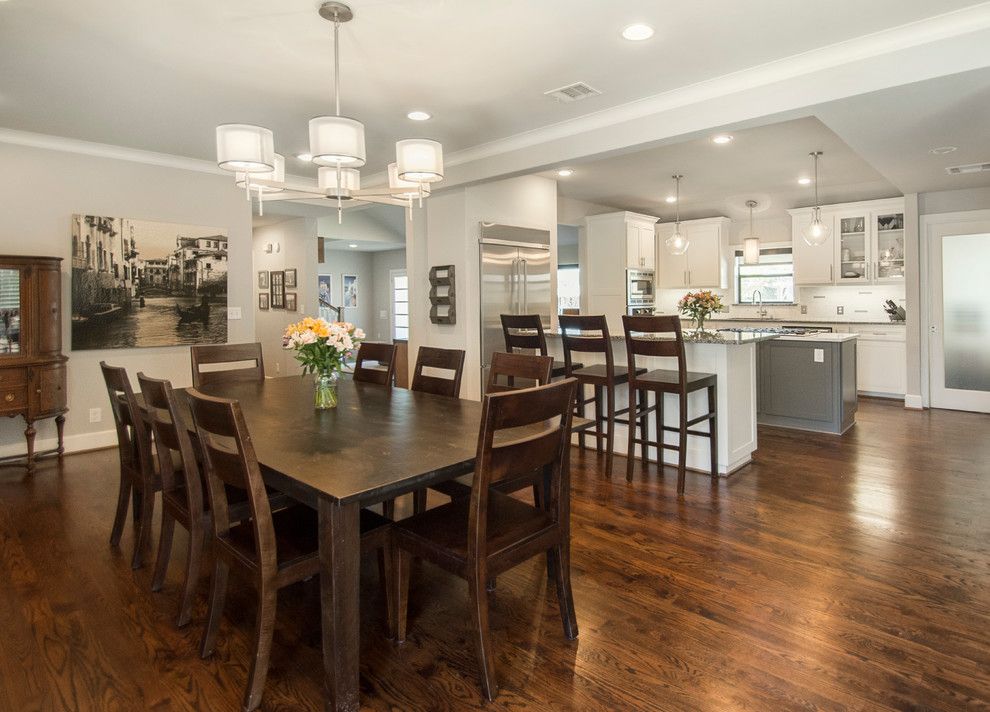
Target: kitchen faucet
[(758, 295)]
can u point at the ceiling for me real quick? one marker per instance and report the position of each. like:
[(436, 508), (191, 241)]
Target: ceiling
[(160, 76)]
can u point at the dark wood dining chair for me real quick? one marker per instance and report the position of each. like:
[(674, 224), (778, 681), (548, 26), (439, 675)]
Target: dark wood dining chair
[(661, 336), (447, 360), (525, 331), (383, 356), (590, 335), (138, 481), (488, 533), (233, 355), (274, 550)]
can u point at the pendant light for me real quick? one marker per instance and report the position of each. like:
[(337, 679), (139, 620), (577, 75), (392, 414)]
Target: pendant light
[(419, 160), (677, 243), (751, 245), (276, 176), (245, 148), (818, 232)]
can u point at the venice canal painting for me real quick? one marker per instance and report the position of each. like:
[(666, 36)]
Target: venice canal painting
[(138, 283)]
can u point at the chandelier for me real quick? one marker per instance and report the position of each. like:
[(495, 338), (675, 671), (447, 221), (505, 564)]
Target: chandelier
[(336, 143)]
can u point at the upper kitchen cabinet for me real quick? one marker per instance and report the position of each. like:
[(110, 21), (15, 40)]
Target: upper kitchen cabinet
[(613, 243), (867, 244), (706, 262)]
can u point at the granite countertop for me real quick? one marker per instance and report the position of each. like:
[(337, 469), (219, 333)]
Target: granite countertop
[(827, 336), (722, 338), (803, 320)]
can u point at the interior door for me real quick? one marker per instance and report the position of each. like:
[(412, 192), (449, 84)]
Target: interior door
[(501, 293), (959, 318), (534, 270)]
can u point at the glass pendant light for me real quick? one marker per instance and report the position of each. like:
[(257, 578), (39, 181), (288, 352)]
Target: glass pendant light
[(677, 243), (751, 245), (336, 140), (818, 232)]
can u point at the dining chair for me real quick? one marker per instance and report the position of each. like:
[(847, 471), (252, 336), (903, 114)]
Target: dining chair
[(383, 355), (525, 331), (660, 336), (232, 355), (273, 549), (138, 481), (482, 536)]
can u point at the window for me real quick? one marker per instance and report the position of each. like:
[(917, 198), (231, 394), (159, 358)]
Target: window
[(568, 288), (773, 277), (400, 304)]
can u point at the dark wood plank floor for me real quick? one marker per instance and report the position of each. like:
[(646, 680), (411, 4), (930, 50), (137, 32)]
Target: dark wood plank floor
[(832, 574)]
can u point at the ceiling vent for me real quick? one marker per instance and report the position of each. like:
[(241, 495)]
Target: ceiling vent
[(969, 168), (572, 92)]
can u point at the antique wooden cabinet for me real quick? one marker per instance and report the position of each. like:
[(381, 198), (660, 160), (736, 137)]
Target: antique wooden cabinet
[(32, 367)]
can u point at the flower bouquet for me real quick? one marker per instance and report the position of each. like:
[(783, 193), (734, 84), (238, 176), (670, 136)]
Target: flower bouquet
[(321, 347), (699, 306)]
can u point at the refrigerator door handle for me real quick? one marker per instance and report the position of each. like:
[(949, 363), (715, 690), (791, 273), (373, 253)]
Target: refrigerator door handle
[(525, 286)]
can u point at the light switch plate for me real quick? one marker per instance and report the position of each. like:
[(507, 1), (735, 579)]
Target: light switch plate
[(383, 313), (804, 308), (819, 355), (95, 415), (233, 313), (840, 310)]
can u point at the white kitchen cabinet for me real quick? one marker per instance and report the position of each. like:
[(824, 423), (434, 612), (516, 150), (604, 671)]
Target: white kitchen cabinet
[(881, 360), (706, 262), (640, 245), (613, 243), (813, 264)]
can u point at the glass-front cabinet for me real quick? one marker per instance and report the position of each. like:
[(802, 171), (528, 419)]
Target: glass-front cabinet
[(10, 311), (853, 244), (888, 247), (869, 246)]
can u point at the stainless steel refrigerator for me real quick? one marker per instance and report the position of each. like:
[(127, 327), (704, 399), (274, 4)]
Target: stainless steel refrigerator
[(515, 279)]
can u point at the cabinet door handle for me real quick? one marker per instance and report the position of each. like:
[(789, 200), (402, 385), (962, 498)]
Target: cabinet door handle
[(831, 278), (9, 397)]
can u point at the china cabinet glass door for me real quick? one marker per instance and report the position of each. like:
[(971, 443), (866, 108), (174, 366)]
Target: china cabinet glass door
[(854, 248), (888, 254), (10, 311)]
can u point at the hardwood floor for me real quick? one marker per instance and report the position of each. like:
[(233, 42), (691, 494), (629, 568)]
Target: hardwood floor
[(833, 573)]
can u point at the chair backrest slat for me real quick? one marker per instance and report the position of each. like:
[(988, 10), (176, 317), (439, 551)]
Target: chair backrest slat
[(585, 334), (133, 437), (658, 336), (381, 353), (524, 331), (444, 359), (219, 354), (529, 368)]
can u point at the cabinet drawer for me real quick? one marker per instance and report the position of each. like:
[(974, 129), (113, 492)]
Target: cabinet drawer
[(13, 398), (13, 377)]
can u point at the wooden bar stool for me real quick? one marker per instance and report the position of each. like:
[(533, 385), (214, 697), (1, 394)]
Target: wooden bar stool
[(589, 334), (650, 336), (525, 331)]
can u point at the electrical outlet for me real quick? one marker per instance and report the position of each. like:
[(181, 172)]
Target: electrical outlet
[(278, 367), (840, 310), (233, 313), (95, 415), (804, 308), (819, 355)]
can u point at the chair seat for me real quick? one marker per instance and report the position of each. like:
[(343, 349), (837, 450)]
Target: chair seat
[(598, 373), (665, 380), (441, 534), (559, 368)]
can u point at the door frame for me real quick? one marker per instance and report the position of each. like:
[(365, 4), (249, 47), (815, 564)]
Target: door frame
[(929, 223), (392, 274)]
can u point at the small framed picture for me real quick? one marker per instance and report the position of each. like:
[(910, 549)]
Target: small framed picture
[(263, 300), (349, 283), (290, 301), (325, 289), (290, 278), (277, 279), (263, 279)]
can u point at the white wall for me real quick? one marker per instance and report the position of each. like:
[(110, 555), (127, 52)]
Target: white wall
[(41, 191), (382, 264), (341, 262), (297, 242), (376, 223)]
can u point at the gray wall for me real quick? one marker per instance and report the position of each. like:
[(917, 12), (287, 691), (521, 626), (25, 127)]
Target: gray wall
[(42, 189), (340, 262), (382, 263)]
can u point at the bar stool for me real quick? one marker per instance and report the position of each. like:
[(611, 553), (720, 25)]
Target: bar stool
[(589, 334), (651, 342), (525, 331)]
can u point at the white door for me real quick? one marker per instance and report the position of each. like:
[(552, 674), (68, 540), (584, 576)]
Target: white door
[(959, 316), (399, 289), (704, 256)]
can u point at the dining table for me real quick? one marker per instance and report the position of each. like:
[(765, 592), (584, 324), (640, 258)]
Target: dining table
[(377, 444)]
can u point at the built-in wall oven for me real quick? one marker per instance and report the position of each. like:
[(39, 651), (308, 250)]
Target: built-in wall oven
[(640, 294)]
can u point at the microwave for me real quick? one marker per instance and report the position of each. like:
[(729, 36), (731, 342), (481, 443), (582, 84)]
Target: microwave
[(639, 287)]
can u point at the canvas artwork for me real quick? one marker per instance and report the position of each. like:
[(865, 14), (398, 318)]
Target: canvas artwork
[(350, 289), (139, 283), (325, 282)]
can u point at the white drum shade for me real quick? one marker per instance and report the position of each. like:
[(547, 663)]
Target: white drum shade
[(405, 189), (277, 175), (419, 160), (751, 251), (336, 140), (350, 180), (245, 148)]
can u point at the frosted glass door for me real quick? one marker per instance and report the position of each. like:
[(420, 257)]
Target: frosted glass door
[(960, 319)]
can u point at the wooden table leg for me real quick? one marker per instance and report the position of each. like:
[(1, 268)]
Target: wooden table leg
[(340, 582)]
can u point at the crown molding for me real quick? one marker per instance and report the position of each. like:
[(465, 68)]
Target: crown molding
[(914, 34)]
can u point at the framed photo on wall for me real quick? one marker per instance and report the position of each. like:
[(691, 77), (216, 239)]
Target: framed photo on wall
[(290, 301), (290, 278), (325, 289), (263, 279), (277, 279), (263, 300), (349, 282)]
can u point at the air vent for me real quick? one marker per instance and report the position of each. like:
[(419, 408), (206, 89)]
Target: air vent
[(572, 92), (970, 168)]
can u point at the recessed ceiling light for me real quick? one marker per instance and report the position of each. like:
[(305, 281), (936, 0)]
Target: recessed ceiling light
[(638, 32), (722, 139), (307, 157), (419, 116), (670, 199), (804, 181), (942, 150), (352, 245), (564, 172)]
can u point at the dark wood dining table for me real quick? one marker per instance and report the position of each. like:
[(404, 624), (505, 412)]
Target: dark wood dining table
[(377, 444)]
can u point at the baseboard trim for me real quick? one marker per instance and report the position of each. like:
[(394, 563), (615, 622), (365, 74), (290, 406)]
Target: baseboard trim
[(913, 402), (73, 443)]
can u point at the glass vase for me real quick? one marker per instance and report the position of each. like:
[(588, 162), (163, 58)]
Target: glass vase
[(699, 323), (325, 395)]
